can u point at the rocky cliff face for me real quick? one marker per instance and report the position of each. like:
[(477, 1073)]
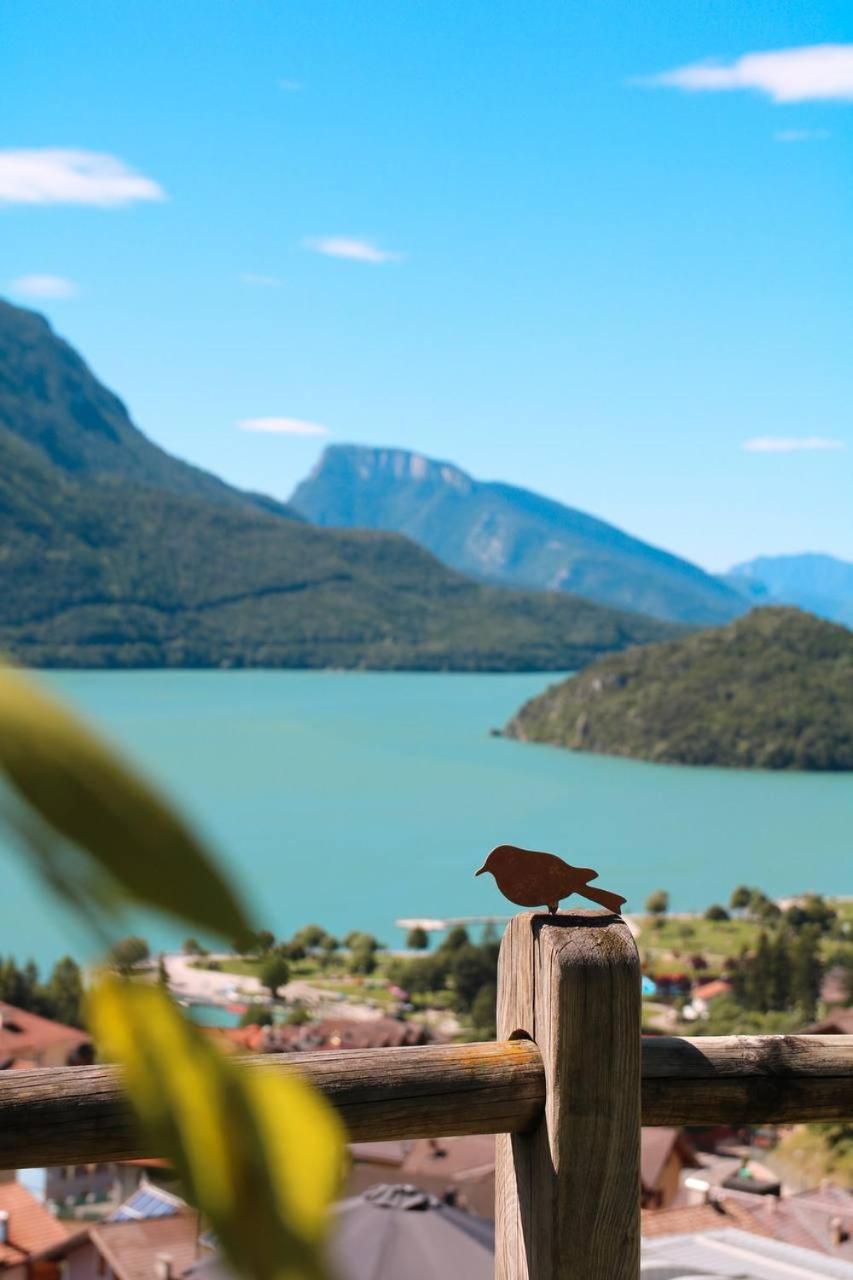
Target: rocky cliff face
[(507, 535)]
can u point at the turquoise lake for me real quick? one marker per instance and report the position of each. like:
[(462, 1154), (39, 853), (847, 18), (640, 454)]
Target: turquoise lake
[(351, 799)]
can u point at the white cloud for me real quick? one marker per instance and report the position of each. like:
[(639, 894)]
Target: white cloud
[(43, 287), (353, 249), (52, 175), (790, 444), (290, 86), (800, 135), (283, 426), (818, 71), (261, 281)]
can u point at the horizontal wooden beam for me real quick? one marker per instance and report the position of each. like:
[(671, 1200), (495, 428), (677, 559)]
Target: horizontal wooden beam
[(73, 1115), (746, 1079)]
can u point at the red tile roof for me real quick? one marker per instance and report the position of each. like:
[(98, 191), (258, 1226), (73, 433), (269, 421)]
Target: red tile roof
[(27, 1035), (130, 1249), (710, 990), (30, 1227), (690, 1218)]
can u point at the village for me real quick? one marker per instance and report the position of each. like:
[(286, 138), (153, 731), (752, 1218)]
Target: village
[(782, 1189)]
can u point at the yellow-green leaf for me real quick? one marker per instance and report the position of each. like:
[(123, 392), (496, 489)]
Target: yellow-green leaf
[(134, 844), (259, 1152)]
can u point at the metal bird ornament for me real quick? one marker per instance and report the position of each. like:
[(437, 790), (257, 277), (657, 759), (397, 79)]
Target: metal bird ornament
[(533, 879)]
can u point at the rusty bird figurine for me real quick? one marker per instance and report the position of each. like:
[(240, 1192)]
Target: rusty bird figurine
[(533, 879)]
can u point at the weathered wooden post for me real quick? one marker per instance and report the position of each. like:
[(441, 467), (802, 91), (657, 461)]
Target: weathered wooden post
[(568, 1192)]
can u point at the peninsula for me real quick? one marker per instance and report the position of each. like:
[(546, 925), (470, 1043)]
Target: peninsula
[(773, 690)]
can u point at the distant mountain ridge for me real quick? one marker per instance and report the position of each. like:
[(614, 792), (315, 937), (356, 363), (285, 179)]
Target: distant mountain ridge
[(114, 554), (50, 398), (506, 535), (820, 583)]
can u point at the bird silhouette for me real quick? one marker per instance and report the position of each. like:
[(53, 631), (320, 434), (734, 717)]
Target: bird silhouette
[(533, 879)]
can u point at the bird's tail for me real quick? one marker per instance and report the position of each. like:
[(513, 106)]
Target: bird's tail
[(611, 901)]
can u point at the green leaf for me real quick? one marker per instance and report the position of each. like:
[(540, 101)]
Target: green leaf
[(134, 846), (259, 1152)]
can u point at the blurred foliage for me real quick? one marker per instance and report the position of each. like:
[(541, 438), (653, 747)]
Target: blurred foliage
[(99, 835), (126, 953), (812, 1152), (274, 972), (259, 1153), (258, 1150), (657, 903), (773, 690)]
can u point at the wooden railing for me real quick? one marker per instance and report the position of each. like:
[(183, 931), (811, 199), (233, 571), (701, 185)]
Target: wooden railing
[(566, 1087)]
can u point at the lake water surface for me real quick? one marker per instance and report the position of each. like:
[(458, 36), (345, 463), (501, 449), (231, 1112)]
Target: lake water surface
[(353, 799)]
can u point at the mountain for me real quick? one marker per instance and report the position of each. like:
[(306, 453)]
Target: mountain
[(114, 554), (822, 584), (506, 535), (52, 401), (773, 690)]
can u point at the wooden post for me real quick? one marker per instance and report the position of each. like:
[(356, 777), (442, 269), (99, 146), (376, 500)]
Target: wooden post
[(568, 1192)]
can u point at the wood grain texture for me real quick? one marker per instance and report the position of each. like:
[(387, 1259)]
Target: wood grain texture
[(568, 1192), (747, 1079), (70, 1115)]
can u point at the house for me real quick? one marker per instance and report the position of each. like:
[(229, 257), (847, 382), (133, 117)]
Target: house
[(739, 1175), (26, 1039), (838, 1022), (461, 1171), (664, 1155), (834, 988), (458, 1171), (26, 1229), (732, 1252), (328, 1033), (820, 1219), (160, 1248), (688, 1219), (703, 996)]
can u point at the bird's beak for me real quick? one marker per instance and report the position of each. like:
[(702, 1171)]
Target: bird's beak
[(480, 872)]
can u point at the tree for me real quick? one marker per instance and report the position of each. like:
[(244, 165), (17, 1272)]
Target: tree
[(483, 1012), (162, 972), (811, 910), (739, 900), (362, 959), (456, 938), (716, 912), (417, 939), (806, 969), (298, 1016), (760, 907), (274, 973), (358, 941), (310, 935), (264, 941), (128, 952), (192, 947), (471, 968), (657, 903), (65, 992), (255, 1017)]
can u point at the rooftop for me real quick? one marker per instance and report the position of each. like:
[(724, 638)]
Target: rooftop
[(30, 1228), (29, 1036), (731, 1252)]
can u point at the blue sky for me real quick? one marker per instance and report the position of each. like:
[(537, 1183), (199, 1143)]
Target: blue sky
[(593, 249)]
